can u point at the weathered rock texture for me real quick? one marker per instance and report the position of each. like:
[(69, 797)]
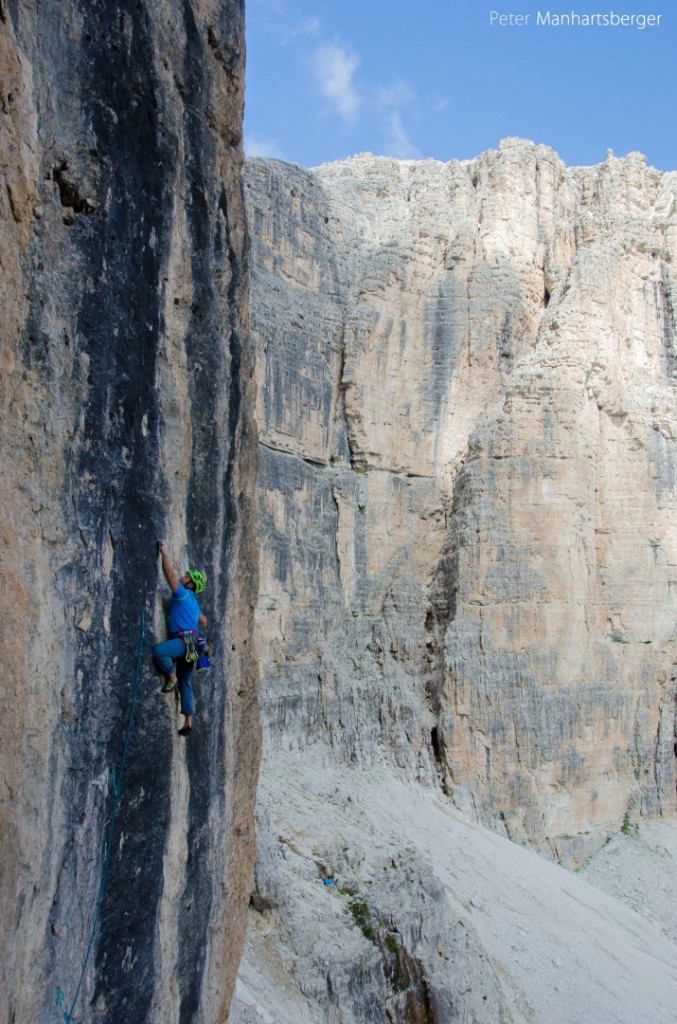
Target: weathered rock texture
[(467, 401), (433, 919), (467, 487), (126, 401)]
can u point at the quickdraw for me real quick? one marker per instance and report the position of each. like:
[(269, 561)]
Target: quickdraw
[(195, 644)]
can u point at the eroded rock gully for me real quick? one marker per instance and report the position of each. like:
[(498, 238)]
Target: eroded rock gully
[(467, 517), (126, 416)]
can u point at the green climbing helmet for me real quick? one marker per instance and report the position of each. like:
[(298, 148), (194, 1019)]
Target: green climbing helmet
[(199, 579)]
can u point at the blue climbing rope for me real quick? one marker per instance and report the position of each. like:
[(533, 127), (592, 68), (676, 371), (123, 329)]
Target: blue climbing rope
[(117, 789)]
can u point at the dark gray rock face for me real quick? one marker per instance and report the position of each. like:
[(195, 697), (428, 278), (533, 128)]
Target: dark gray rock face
[(126, 401)]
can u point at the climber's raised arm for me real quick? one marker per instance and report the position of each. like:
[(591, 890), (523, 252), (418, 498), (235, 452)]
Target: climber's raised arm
[(168, 569)]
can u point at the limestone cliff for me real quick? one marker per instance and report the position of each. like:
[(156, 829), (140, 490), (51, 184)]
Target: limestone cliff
[(467, 400), (126, 416), (467, 413)]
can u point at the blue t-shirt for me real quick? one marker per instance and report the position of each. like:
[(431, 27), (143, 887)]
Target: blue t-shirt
[(184, 611)]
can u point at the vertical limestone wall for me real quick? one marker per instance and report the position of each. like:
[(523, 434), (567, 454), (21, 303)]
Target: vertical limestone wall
[(127, 392), (467, 488)]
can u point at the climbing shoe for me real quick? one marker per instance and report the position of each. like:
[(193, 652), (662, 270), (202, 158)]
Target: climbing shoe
[(169, 685)]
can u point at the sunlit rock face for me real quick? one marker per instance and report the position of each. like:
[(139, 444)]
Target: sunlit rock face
[(467, 481), (127, 395)]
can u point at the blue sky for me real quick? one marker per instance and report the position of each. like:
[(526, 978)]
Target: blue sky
[(326, 80)]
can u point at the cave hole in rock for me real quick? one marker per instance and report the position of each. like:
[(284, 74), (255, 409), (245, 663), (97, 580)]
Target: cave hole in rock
[(435, 743)]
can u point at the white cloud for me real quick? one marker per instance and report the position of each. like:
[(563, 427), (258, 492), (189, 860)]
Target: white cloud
[(397, 94), (254, 146), (304, 27), (438, 105), (390, 99), (397, 141), (284, 23), (334, 67), (293, 27)]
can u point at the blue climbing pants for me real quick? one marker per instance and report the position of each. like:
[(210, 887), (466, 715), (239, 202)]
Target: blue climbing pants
[(168, 654)]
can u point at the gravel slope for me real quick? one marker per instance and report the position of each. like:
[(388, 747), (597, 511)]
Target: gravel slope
[(597, 946)]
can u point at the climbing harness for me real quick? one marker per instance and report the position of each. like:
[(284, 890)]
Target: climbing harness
[(117, 789), (195, 644)]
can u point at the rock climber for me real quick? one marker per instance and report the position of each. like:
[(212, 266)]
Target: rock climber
[(184, 618)]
